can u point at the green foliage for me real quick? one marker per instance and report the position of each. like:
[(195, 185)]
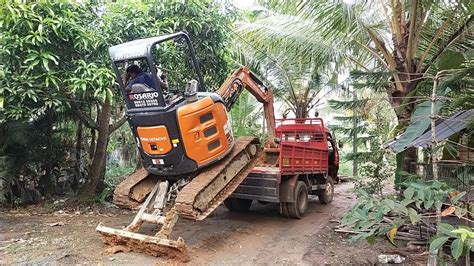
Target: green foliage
[(55, 71), (246, 116), (113, 176), (375, 170), (367, 216), (462, 239), (55, 45), (426, 195), (450, 60), (419, 199), (208, 27), (369, 121), (39, 42), (396, 46), (419, 122)]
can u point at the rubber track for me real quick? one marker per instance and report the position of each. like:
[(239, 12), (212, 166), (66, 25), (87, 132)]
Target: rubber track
[(122, 193), (187, 196)]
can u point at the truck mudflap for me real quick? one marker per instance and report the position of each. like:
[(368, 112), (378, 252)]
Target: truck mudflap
[(214, 184)]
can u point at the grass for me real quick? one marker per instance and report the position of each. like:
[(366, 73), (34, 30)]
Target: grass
[(345, 168), (113, 176), (118, 171)]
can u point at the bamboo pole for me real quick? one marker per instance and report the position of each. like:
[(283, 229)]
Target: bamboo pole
[(432, 260), (354, 136)]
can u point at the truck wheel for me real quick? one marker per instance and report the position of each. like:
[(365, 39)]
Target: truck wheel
[(326, 195), (237, 205), (297, 208)]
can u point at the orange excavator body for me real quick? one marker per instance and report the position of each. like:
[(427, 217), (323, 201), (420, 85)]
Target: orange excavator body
[(190, 158)]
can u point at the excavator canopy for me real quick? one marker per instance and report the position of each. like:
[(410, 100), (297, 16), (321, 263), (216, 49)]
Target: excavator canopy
[(143, 53)]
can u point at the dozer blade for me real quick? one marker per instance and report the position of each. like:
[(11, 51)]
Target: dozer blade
[(214, 184), (158, 245), (152, 245)]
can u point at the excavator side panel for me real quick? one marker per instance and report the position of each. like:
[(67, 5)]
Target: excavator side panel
[(205, 129)]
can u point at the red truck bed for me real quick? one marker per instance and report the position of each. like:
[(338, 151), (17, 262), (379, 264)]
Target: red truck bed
[(303, 146)]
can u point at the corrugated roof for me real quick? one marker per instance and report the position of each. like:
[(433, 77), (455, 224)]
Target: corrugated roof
[(445, 128)]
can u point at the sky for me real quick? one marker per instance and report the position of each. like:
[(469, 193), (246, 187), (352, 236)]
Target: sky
[(243, 4)]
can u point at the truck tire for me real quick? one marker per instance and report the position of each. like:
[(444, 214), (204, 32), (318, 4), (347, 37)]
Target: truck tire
[(297, 209), (237, 205), (326, 195)]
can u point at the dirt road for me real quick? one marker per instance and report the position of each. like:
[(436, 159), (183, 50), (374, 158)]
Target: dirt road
[(261, 236)]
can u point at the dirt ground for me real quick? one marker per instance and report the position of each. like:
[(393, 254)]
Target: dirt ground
[(38, 235)]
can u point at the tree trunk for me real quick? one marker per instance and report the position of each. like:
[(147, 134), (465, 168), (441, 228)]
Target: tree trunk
[(47, 181), (98, 162), (101, 185), (78, 153), (92, 144), (355, 162)]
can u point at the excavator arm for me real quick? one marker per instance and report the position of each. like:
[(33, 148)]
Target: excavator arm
[(243, 78)]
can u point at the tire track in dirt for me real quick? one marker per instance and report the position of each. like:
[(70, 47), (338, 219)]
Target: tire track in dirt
[(262, 236)]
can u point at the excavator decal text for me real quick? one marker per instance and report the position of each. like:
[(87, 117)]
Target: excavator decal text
[(143, 96), (154, 139)]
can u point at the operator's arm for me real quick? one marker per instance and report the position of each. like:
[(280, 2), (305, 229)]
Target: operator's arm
[(126, 82), (163, 82)]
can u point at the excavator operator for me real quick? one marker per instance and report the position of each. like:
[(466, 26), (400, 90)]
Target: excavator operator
[(137, 80)]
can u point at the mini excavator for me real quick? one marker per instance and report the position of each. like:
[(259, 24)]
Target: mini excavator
[(191, 161)]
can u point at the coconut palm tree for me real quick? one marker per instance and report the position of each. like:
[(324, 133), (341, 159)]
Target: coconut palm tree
[(404, 39)]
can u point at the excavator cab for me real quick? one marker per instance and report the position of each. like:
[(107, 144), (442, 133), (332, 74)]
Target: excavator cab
[(177, 130)]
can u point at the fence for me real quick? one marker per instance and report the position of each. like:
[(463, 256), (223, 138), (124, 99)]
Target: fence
[(455, 174)]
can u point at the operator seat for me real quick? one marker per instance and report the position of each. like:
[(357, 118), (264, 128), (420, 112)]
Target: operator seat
[(140, 87)]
